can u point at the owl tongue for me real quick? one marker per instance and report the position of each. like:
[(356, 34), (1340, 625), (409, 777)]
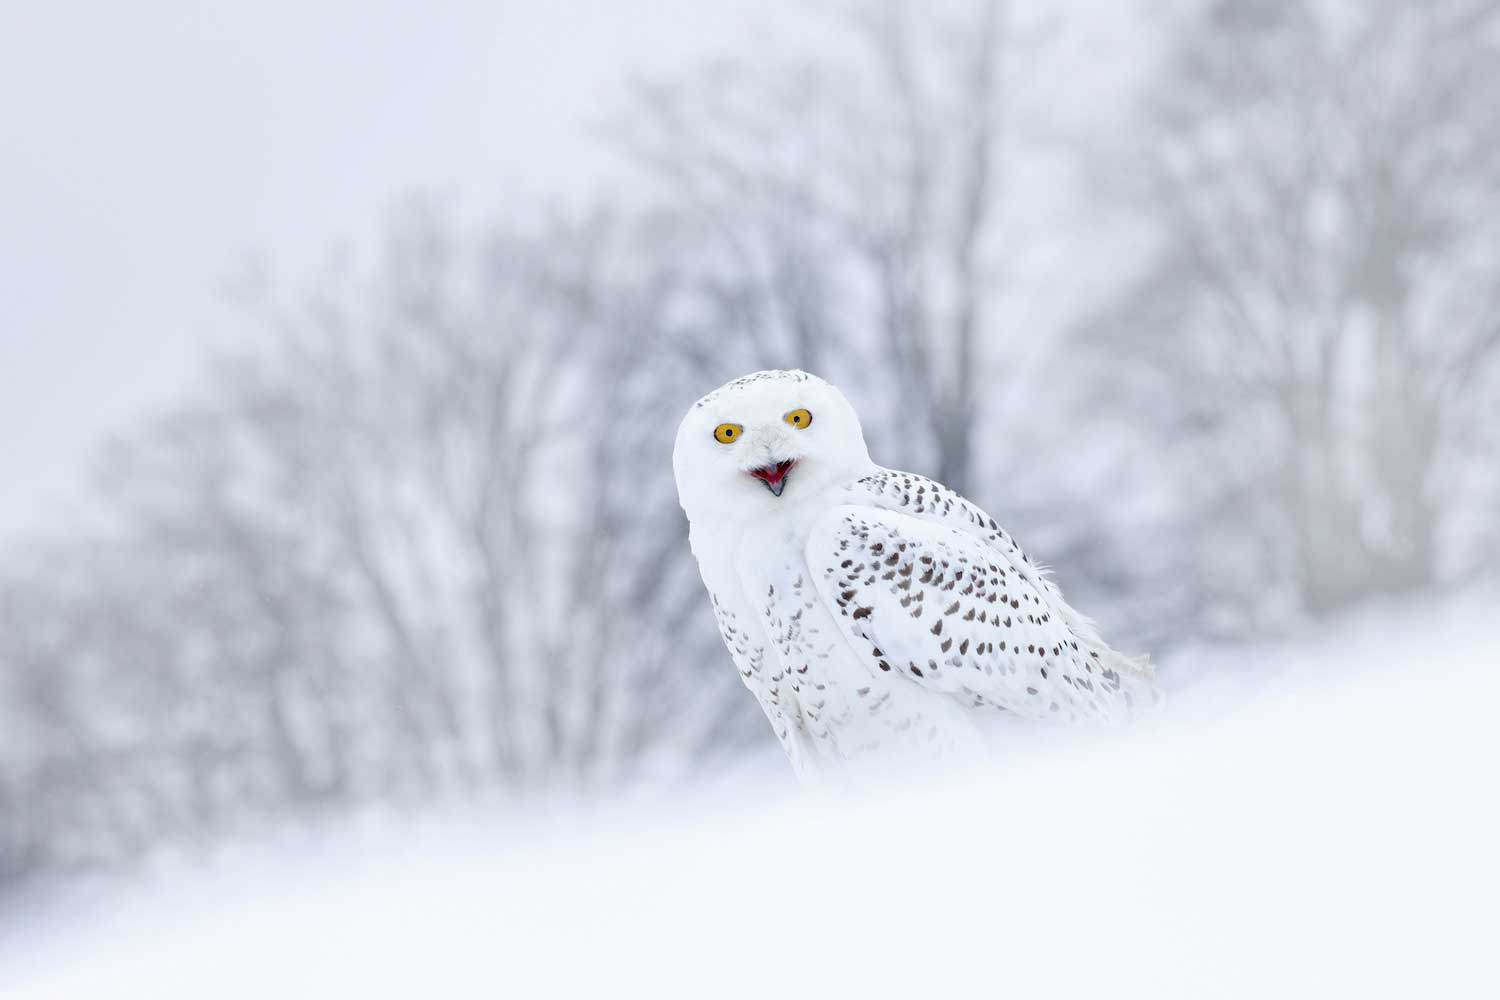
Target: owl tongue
[(774, 476)]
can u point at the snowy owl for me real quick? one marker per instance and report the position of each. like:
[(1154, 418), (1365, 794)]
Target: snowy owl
[(877, 616)]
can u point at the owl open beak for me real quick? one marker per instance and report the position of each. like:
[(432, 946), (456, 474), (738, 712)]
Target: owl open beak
[(774, 476)]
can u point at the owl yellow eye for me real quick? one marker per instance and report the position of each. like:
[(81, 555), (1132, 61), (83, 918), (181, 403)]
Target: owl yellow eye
[(728, 433), (798, 419)]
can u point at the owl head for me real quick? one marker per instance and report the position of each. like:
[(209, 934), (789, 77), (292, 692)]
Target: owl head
[(764, 442)]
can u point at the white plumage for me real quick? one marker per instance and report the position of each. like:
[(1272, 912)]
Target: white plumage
[(878, 617)]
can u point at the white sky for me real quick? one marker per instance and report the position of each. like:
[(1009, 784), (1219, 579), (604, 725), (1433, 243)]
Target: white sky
[(148, 150)]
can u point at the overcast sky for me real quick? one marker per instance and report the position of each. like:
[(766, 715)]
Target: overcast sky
[(148, 150)]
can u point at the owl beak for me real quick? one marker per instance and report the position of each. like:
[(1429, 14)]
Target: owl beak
[(774, 476)]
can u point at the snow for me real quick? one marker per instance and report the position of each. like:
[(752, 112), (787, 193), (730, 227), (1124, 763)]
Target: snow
[(1313, 817)]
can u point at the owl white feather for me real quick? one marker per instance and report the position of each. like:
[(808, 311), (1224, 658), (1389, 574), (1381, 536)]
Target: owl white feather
[(878, 617)]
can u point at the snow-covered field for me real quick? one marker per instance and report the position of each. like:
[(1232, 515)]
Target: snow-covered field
[(1315, 817)]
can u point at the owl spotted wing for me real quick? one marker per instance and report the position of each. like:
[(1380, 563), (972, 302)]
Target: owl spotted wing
[(933, 590)]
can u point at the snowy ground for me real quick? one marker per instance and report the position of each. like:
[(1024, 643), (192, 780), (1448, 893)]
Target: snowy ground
[(1313, 818)]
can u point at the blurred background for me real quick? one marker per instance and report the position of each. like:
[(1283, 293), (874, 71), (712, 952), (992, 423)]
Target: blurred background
[(342, 348)]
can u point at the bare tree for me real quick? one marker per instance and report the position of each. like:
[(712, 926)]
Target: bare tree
[(845, 210), (1320, 318), (425, 539), (848, 211)]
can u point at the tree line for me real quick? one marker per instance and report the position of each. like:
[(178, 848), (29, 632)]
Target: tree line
[(423, 537)]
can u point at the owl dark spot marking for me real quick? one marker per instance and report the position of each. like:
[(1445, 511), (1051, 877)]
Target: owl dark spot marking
[(1002, 645), (937, 627), (915, 670), (1015, 604), (884, 665), (952, 608), (969, 615), (1007, 621), (963, 647), (862, 612), (1031, 691), (847, 595), (1044, 673), (948, 644), (1031, 647)]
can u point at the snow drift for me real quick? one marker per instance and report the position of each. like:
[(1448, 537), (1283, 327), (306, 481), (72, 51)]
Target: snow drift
[(1333, 835)]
